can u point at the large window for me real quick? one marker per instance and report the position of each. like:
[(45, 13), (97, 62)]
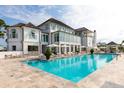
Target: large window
[(32, 48), (45, 38), (14, 33), (56, 37), (59, 27), (66, 37), (46, 27), (32, 35), (53, 26)]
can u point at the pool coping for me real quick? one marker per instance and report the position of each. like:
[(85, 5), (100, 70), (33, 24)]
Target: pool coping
[(58, 78), (30, 77), (66, 80)]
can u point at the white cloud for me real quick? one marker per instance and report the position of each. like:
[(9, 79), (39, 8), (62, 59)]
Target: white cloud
[(106, 20), (23, 14), (78, 16)]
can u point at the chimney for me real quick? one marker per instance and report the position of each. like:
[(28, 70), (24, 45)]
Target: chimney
[(94, 40)]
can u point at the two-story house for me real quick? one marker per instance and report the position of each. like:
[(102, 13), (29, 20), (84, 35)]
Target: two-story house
[(60, 34), (23, 37), (51, 33)]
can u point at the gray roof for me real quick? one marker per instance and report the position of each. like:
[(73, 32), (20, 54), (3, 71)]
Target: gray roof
[(83, 29), (23, 24), (56, 21), (112, 43)]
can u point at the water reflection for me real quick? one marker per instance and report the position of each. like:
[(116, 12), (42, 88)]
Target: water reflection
[(73, 68)]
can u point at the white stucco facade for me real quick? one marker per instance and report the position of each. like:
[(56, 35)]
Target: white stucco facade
[(23, 38), (62, 36), (37, 38), (88, 38), (14, 41)]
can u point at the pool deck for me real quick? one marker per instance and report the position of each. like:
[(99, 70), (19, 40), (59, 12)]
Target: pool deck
[(15, 74)]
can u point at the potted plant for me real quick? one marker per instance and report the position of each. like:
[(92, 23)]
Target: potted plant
[(77, 50), (92, 51), (48, 53)]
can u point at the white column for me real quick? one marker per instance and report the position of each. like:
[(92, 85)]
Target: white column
[(25, 48), (49, 38), (73, 48), (116, 48), (69, 48), (39, 45), (39, 49), (80, 47), (59, 49)]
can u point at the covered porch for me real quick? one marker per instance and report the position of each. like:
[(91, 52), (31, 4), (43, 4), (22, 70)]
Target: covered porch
[(65, 48)]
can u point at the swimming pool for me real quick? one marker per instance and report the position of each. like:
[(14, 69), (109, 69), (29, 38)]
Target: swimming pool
[(73, 68)]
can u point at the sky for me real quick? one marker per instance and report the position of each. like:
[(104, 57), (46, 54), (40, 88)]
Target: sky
[(108, 20)]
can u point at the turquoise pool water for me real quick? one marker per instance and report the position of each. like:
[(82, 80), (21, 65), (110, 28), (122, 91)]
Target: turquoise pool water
[(73, 68)]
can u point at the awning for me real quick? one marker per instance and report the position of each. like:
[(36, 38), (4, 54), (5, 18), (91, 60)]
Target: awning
[(83, 46), (52, 45)]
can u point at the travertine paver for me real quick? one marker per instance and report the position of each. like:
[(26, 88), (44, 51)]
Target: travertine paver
[(13, 73), (112, 72)]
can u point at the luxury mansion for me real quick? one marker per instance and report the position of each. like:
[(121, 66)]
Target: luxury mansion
[(51, 33)]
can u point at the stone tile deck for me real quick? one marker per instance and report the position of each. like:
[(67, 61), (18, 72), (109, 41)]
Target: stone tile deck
[(15, 74)]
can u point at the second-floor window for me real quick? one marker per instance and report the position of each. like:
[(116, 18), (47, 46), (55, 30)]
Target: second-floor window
[(53, 26), (56, 37), (46, 27), (14, 35), (32, 35), (45, 38)]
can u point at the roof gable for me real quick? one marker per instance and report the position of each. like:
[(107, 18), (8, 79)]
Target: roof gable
[(56, 21), (112, 43), (83, 29), (26, 25)]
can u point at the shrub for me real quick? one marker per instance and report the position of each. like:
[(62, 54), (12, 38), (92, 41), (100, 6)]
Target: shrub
[(92, 51), (48, 53), (77, 50)]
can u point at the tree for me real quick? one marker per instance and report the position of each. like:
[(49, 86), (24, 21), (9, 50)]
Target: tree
[(2, 26), (1, 34), (2, 23), (48, 53)]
